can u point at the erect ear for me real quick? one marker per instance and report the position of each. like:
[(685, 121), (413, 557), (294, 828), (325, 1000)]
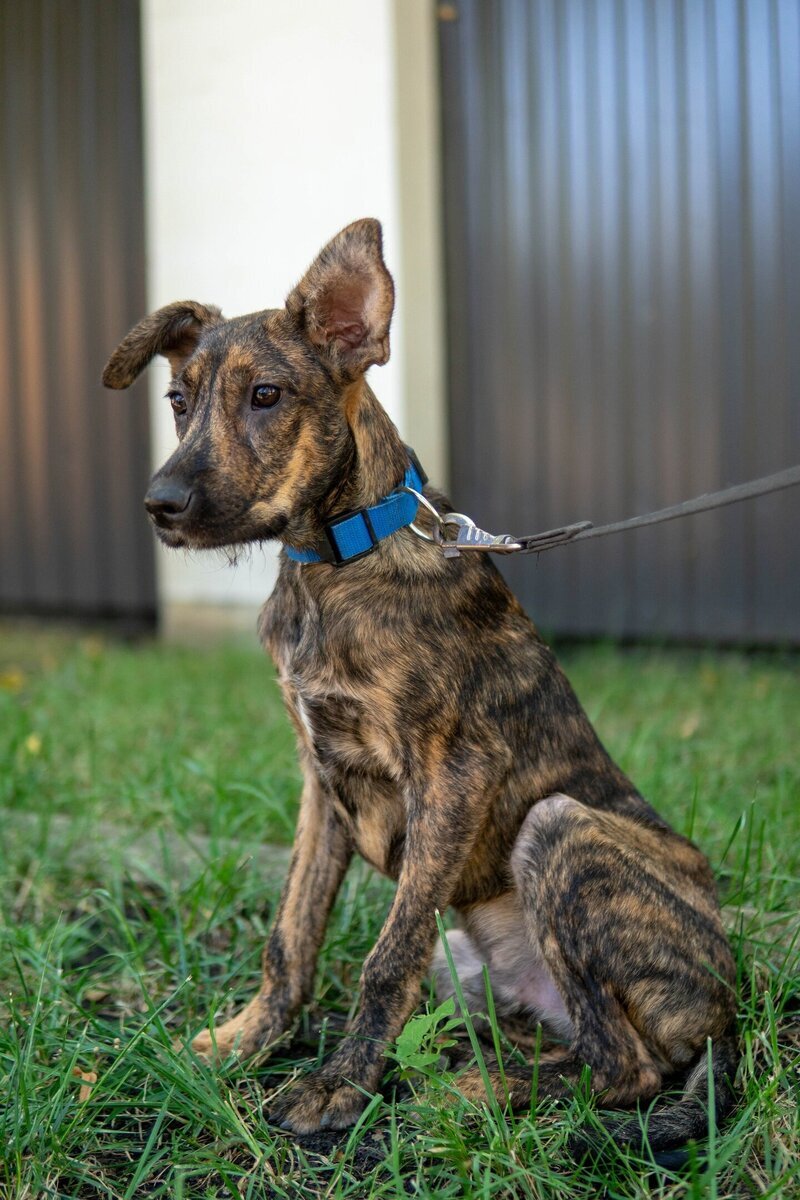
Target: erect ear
[(344, 301), (173, 331)]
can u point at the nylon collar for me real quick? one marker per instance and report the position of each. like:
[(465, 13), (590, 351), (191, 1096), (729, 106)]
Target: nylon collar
[(355, 534)]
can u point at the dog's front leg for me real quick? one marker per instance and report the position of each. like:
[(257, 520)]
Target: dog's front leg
[(443, 825), (322, 851)]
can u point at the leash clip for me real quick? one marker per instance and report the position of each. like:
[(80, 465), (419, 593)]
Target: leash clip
[(468, 536), (456, 532)]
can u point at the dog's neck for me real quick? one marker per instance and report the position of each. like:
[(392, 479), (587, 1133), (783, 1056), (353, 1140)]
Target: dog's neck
[(371, 463), (379, 458)]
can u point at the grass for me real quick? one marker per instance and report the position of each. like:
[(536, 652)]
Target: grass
[(109, 954)]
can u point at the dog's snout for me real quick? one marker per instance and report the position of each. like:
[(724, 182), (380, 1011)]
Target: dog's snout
[(168, 500)]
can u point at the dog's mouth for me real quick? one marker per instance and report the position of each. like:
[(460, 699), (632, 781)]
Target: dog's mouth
[(175, 538), (216, 532)]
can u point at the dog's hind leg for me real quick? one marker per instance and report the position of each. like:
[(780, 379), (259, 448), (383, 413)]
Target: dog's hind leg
[(494, 937), (625, 918)]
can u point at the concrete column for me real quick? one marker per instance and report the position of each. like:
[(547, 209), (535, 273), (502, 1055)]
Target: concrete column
[(270, 124)]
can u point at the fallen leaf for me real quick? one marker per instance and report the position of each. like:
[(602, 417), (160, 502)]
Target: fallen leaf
[(690, 725), (88, 1077), (33, 743), (12, 680), (95, 995)]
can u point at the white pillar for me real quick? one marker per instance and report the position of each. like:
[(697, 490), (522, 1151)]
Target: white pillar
[(270, 124)]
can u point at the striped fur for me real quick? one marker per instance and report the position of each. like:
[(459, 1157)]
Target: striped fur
[(438, 737)]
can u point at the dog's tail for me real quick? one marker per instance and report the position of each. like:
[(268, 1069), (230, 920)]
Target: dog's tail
[(662, 1131), (669, 1125)]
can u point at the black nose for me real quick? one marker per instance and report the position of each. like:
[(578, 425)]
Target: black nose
[(168, 500)]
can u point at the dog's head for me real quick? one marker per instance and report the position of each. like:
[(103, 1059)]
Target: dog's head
[(263, 403)]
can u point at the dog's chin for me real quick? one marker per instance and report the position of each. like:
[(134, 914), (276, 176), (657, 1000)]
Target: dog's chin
[(209, 537), (171, 537)]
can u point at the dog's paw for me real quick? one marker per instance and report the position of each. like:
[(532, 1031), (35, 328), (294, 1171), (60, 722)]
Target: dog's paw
[(244, 1035), (318, 1102), (215, 1047)]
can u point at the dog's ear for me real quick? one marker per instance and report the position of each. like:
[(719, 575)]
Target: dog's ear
[(173, 331), (344, 301)]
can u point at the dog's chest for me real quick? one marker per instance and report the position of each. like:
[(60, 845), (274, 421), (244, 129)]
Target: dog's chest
[(347, 728), (344, 734), (354, 756)]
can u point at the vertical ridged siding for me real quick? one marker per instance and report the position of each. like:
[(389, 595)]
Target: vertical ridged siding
[(73, 457), (622, 223)]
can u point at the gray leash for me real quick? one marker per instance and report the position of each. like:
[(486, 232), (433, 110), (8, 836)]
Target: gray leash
[(456, 533)]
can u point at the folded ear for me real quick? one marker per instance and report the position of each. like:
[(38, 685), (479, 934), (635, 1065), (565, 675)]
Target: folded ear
[(173, 331), (344, 301)]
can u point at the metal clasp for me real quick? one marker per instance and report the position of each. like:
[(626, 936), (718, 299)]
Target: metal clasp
[(455, 532), (468, 536), (437, 536)]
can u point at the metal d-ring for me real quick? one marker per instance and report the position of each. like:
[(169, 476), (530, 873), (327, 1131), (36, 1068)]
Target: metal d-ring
[(425, 502)]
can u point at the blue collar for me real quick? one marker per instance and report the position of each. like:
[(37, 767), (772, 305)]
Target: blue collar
[(355, 534)]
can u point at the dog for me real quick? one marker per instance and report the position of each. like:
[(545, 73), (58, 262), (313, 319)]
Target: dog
[(438, 737)]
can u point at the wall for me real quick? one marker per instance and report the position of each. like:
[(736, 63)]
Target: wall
[(623, 233), (269, 125), (73, 457)]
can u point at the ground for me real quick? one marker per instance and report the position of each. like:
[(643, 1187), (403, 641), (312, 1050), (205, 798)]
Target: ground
[(141, 787)]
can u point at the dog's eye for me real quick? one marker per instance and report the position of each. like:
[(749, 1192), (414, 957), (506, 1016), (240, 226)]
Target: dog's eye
[(265, 395), (178, 403)]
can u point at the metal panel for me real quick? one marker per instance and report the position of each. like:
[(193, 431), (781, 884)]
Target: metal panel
[(622, 230), (73, 458)]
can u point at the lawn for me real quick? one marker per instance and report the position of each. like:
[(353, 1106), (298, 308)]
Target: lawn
[(140, 790)]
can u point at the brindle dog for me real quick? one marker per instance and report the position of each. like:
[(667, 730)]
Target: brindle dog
[(438, 737)]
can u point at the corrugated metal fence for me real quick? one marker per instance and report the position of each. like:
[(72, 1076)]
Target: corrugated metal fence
[(73, 458), (622, 191)]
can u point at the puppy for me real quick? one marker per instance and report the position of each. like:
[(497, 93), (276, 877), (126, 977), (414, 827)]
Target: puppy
[(437, 735)]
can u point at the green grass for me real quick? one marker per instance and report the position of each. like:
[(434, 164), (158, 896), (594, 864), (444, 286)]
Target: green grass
[(108, 959)]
